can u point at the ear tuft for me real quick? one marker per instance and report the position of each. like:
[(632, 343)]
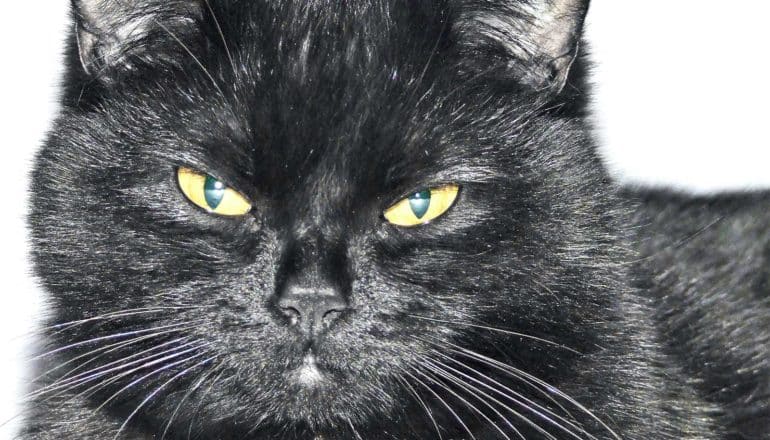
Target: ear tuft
[(115, 34), (538, 38)]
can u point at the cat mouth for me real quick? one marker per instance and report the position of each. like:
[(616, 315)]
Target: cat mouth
[(317, 393), (308, 375)]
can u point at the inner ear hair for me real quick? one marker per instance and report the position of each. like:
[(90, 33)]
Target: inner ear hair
[(540, 38), (110, 33)]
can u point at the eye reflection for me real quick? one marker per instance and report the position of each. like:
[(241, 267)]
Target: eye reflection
[(214, 190), (420, 202)]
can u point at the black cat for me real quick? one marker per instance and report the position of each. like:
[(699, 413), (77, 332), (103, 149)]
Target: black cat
[(373, 219)]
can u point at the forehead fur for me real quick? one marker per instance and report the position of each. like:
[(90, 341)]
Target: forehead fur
[(297, 92), (304, 84), (312, 44)]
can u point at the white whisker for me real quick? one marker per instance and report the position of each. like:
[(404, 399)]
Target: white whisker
[(443, 402), (465, 401), (517, 414), (189, 52), (186, 396), (540, 382), (353, 428), (101, 351), (97, 373), (156, 391), (146, 376), (112, 336), (116, 314), (222, 35), (499, 330), (526, 403), (200, 402), (474, 392), (422, 404)]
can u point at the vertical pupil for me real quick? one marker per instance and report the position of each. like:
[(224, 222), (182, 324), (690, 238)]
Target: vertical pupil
[(214, 191), (419, 202)]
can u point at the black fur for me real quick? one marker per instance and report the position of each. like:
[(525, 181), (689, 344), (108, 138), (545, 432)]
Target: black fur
[(705, 260), (526, 311)]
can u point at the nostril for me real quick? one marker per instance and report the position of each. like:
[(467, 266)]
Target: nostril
[(293, 314), (331, 309), (330, 316), (311, 312)]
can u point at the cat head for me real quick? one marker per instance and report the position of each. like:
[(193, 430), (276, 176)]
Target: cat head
[(297, 206)]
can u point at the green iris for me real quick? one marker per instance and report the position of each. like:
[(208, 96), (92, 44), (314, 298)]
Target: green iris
[(214, 191), (420, 202)]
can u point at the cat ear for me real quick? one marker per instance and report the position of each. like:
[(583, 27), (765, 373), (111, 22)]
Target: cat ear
[(537, 39), (114, 35)]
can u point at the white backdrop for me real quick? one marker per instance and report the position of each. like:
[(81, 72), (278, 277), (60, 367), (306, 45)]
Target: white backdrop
[(681, 100)]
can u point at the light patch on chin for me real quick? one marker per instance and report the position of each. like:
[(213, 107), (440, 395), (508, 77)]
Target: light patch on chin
[(308, 374)]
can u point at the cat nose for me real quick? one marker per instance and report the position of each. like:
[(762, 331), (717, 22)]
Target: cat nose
[(311, 310)]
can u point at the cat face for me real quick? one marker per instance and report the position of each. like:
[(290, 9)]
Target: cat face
[(283, 212)]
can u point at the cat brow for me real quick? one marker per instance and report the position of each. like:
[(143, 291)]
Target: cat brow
[(467, 173)]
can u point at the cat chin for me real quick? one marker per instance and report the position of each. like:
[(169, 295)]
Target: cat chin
[(314, 400), (313, 390)]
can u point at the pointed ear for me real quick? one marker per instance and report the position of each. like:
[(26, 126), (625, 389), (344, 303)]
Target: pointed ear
[(537, 39), (115, 35)]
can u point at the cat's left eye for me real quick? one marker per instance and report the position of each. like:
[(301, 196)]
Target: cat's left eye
[(422, 206), (211, 194)]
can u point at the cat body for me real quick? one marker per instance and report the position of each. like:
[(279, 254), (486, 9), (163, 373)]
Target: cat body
[(539, 302), (704, 260)]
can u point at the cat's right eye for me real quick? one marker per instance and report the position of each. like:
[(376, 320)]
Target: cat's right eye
[(211, 194), (422, 206)]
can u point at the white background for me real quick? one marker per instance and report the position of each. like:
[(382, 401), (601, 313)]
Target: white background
[(682, 100)]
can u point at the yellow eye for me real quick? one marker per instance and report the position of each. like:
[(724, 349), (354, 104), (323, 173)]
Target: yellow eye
[(422, 206), (211, 194)]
